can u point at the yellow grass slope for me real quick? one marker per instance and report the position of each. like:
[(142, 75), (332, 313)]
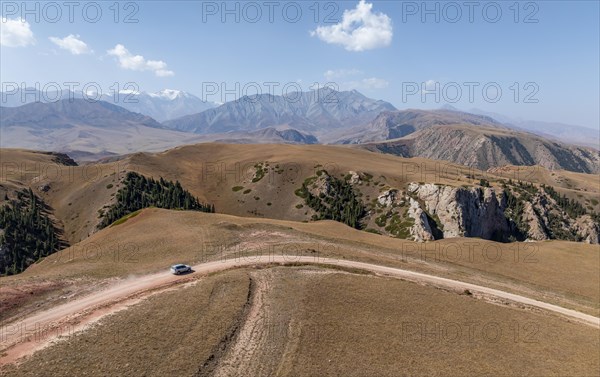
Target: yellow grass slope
[(303, 321), (565, 273), (245, 180)]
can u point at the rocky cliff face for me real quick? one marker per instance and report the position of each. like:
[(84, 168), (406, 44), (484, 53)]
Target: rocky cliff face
[(421, 231), (483, 212), (546, 220), (588, 228), (462, 212), (429, 211)]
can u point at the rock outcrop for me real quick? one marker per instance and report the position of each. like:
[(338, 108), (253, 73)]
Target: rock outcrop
[(387, 198), (472, 212), (483, 212), (588, 229), (421, 231)]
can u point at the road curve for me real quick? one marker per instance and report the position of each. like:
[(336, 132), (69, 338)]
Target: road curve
[(14, 338)]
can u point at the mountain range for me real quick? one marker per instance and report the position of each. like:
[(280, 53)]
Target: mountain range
[(84, 129), (317, 112), (163, 105), (92, 130), (88, 130)]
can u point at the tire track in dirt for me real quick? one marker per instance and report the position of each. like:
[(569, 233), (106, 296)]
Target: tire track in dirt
[(243, 357), (210, 365)]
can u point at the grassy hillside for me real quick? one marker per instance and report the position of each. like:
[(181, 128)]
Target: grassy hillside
[(297, 322), (151, 338), (317, 313), (155, 239), (258, 181)]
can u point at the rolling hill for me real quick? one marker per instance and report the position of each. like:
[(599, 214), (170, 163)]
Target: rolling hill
[(271, 181), (262, 277), (123, 301)]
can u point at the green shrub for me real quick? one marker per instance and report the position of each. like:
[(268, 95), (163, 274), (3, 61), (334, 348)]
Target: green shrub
[(259, 173), (381, 221)]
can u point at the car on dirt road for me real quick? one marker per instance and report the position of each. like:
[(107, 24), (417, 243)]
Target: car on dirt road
[(178, 269)]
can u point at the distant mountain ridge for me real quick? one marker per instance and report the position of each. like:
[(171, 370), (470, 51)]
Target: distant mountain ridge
[(316, 112), (395, 124), (163, 105), (567, 133), (68, 113), (90, 130), (98, 129), (84, 129), (484, 148)]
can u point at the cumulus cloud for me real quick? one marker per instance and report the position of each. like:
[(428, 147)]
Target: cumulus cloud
[(138, 63), (15, 33), (71, 43), (359, 30)]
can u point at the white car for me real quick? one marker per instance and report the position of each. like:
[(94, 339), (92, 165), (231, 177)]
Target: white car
[(180, 269)]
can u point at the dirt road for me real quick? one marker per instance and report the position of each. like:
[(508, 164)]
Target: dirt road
[(22, 337)]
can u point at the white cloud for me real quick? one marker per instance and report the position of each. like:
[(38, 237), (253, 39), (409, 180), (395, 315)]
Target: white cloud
[(348, 79), (375, 83), (138, 63), (360, 29), (15, 33), (71, 43), (334, 74), (429, 86), (368, 83)]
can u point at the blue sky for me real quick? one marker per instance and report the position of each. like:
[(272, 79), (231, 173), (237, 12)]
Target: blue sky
[(392, 50)]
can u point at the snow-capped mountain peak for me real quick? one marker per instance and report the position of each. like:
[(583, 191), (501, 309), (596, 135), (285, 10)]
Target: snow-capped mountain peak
[(167, 104), (128, 91), (169, 94)]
